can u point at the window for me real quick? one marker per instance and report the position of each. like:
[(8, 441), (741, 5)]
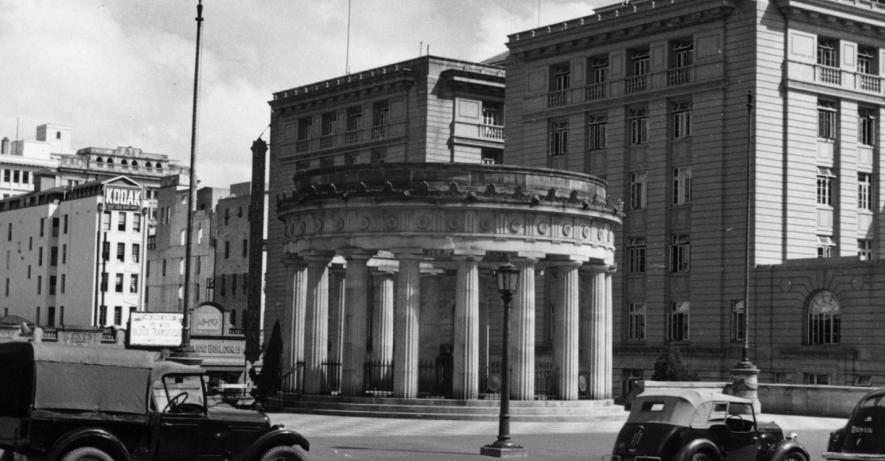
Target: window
[(182, 237), (118, 283), (42, 226), (738, 320), (354, 119), (560, 82), (597, 76), (233, 284), (65, 228), (245, 248), (681, 185), (118, 315), (330, 123), (226, 249), (181, 266), (865, 191), (828, 52), (491, 114), (136, 252), (152, 242), (491, 156), (200, 235), (866, 60), (233, 317), (133, 283), (638, 71), (380, 119), (106, 221), (136, 222), (25, 177), (223, 285), (636, 322), (824, 318), (827, 120), (636, 248), (680, 253), (596, 132), (40, 256), (53, 256), (304, 126), (50, 316), (52, 284), (63, 282), (38, 316), (681, 112), (61, 315), (864, 249), (558, 137), (677, 321), (55, 225), (682, 53), (163, 269), (121, 252), (121, 221), (825, 186), (638, 188), (102, 315), (379, 155), (866, 127), (246, 283), (826, 247), (104, 281), (39, 284), (815, 379), (638, 126)]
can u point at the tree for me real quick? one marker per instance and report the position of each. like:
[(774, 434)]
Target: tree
[(670, 367), (269, 381)]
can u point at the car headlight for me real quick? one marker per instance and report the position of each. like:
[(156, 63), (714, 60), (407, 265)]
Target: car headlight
[(793, 436)]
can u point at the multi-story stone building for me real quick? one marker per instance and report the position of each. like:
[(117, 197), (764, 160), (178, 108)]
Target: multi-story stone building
[(74, 255), (232, 253), (381, 252), (167, 247), (653, 96)]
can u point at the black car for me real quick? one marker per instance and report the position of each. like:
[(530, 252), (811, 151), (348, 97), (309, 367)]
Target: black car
[(698, 425), (863, 436), (72, 403)]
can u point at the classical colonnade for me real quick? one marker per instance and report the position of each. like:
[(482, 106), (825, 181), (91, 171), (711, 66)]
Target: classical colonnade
[(583, 325)]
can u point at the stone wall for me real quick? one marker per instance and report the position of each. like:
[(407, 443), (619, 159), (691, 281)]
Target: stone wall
[(797, 399)]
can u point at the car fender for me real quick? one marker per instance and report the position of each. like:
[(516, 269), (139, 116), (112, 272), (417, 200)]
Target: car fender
[(276, 437), (786, 446), (692, 447), (89, 436)]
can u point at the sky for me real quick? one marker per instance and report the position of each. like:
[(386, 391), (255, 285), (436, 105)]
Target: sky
[(121, 72)]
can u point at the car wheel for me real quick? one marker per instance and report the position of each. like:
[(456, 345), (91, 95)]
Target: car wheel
[(284, 453), (86, 454), (795, 455), (702, 456)]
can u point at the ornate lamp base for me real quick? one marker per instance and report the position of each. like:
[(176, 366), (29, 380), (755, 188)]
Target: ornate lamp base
[(503, 449)]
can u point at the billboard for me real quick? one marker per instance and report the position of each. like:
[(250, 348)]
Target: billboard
[(155, 329)]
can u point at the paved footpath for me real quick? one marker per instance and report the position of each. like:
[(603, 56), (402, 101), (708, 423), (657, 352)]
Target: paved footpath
[(365, 438)]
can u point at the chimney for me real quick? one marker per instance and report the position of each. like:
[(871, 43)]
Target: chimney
[(4, 146)]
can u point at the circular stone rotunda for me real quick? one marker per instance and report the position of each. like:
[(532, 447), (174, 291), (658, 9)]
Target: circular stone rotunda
[(392, 298)]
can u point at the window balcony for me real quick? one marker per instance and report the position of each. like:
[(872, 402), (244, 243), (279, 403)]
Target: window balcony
[(353, 136), (680, 75), (327, 141), (830, 75), (557, 98), (871, 83), (479, 131), (595, 91), (636, 84)]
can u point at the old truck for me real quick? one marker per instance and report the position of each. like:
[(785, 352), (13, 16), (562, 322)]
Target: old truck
[(71, 403)]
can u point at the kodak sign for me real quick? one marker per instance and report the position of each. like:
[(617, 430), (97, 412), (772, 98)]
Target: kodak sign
[(122, 198)]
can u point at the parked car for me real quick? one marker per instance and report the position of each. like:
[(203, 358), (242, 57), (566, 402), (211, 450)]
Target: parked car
[(863, 436), (70, 403), (698, 425)]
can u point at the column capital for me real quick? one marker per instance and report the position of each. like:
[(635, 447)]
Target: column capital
[(469, 255), (318, 257), (355, 253), (524, 261), (599, 267), (407, 253), (565, 263), (291, 260)]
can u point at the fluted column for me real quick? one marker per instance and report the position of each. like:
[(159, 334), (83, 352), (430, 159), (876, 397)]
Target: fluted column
[(600, 383), (430, 339), (356, 312), (295, 302), (316, 340), (382, 331), (465, 370), (337, 300), (565, 342), (522, 352), (406, 334)]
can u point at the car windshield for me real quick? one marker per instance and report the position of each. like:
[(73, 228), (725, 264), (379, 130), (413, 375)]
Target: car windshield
[(175, 390)]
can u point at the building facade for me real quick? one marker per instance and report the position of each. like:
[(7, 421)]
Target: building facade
[(74, 256), (676, 104), (381, 259), (232, 253)]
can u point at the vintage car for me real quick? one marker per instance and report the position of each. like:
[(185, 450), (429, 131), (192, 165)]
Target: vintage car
[(863, 436), (699, 425), (73, 403)]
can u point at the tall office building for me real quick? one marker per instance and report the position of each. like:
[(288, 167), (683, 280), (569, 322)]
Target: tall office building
[(653, 96)]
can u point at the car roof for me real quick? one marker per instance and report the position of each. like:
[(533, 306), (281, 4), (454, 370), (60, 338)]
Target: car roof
[(693, 396)]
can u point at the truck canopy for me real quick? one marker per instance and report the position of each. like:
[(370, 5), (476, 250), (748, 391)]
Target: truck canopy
[(79, 378)]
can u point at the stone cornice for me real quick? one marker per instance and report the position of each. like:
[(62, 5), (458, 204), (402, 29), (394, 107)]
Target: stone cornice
[(860, 16), (615, 24)]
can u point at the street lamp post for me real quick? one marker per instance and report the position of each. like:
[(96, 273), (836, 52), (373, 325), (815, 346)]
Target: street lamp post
[(508, 279)]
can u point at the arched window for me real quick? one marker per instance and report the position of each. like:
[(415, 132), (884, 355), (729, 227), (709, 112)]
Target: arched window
[(99, 160), (148, 165), (824, 323), (158, 166)]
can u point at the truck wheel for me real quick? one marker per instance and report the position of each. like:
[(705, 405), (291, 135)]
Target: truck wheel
[(86, 454), (282, 453), (795, 455)]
